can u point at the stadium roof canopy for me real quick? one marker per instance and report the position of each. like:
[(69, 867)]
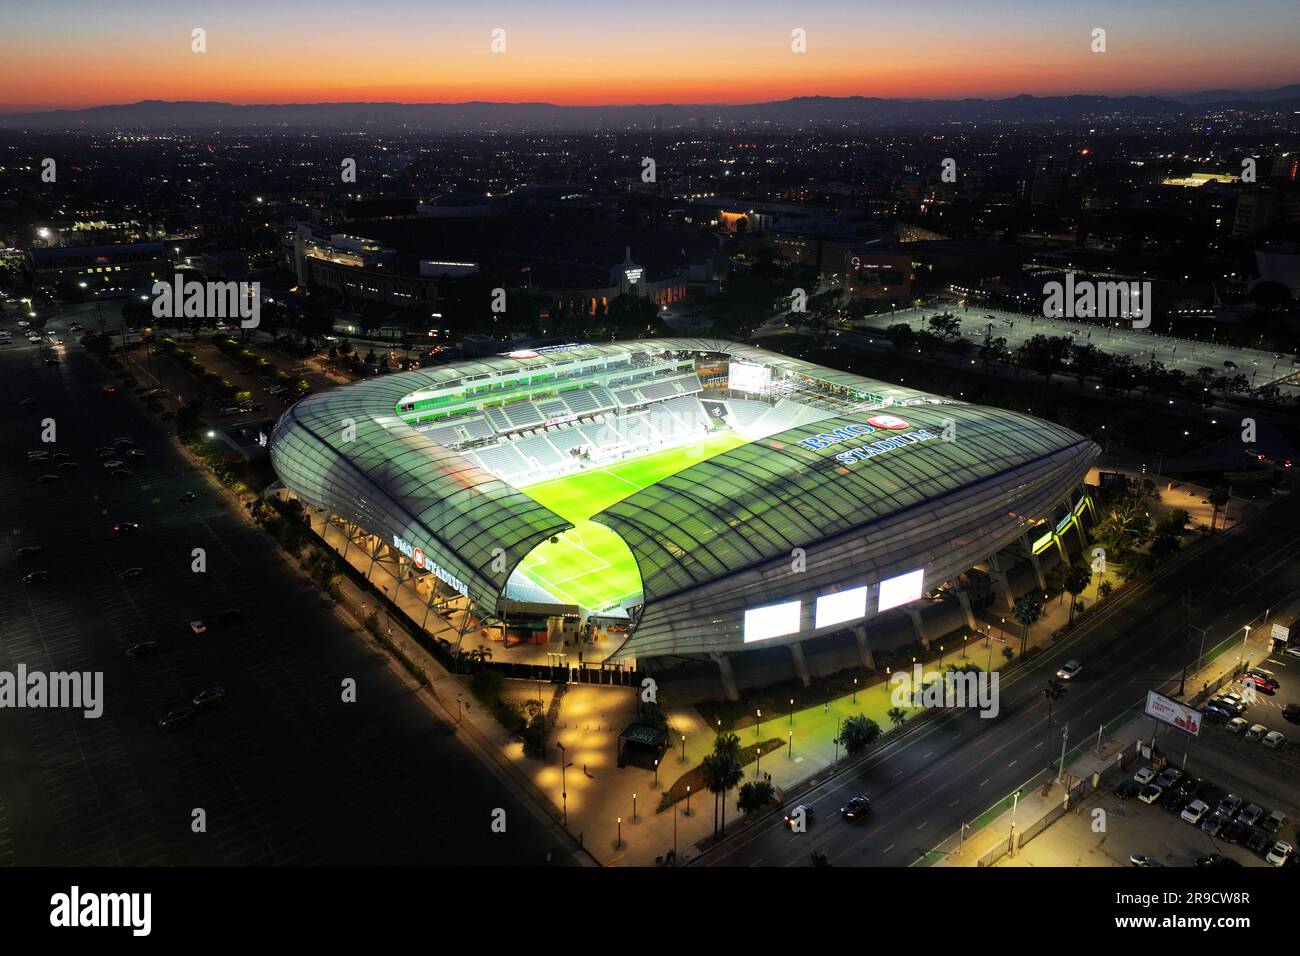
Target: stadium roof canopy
[(716, 538)]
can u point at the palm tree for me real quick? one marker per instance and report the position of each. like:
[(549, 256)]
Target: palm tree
[(1054, 691), (1027, 610), (721, 772), (897, 715), (1218, 497), (1076, 582)]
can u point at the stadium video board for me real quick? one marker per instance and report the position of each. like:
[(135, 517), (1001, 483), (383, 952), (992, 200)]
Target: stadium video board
[(902, 589)]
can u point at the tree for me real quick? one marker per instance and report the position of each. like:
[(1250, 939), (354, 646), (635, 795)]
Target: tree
[(1077, 579), (896, 715), (1054, 691), (1218, 497), (721, 772), (754, 796), (1027, 610), (857, 734), (1104, 589)]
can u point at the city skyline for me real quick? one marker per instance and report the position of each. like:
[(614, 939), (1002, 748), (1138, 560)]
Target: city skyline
[(576, 55)]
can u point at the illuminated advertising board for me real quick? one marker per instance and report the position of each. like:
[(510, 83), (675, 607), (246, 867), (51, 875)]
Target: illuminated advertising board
[(775, 620), (745, 377), (1173, 713), (840, 607), (900, 590)]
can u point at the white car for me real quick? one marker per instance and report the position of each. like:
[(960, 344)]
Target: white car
[(1256, 732), (1293, 650), (198, 627), (1280, 853), (1237, 725), (114, 463), (1150, 793), (1144, 776), (1069, 670), (1273, 739), (1194, 811)]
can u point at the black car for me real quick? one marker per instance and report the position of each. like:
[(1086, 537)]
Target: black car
[(177, 716), (1291, 712), (188, 496), (34, 576), (31, 551), (1174, 800), (856, 809), (1127, 789), (1259, 841), (142, 649), (1235, 832), (209, 695), (68, 466), (1215, 860)]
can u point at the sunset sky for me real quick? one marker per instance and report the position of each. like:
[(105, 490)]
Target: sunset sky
[(69, 53)]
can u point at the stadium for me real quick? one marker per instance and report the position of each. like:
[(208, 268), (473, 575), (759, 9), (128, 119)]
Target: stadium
[(715, 497)]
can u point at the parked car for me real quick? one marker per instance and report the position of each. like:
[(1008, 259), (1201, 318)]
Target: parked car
[(1274, 822), (114, 463), (1261, 684), (1127, 789), (32, 577), (1168, 777), (125, 527), (1229, 805), (1144, 775), (1259, 841), (1214, 823), (1279, 854), (1141, 859), (1273, 739), (141, 649), (856, 808), (1237, 725), (209, 695), (1256, 732), (46, 479), (130, 573), (177, 716), (1291, 712), (198, 627), (1195, 811), (1215, 860), (30, 551), (123, 473), (1150, 793), (1250, 816), (1235, 832)]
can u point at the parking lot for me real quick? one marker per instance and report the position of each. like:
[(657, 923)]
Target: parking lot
[(283, 769), (1158, 830)]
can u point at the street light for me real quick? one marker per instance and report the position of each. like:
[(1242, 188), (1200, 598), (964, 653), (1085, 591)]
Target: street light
[(855, 690), (758, 727), (791, 711), (634, 807), (791, 745), (619, 844)]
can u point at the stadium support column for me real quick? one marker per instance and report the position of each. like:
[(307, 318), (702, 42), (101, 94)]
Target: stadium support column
[(1034, 563), (800, 663), (864, 647), (728, 679), (1001, 586), (918, 626), (964, 600)]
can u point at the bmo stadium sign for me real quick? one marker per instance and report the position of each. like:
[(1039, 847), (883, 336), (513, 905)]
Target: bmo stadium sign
[(425, 563), (852, 433)]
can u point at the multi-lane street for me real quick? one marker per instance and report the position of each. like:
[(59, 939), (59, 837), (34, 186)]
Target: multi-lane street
[(950, 768), (284, 770)]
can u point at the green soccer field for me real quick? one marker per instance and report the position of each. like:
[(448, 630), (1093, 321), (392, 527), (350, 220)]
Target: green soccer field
[(590, 565)]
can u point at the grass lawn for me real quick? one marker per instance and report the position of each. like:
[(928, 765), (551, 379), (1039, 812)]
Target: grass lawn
[(590, 565)]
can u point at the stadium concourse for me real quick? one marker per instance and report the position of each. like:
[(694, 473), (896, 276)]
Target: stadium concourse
[(717, 502)]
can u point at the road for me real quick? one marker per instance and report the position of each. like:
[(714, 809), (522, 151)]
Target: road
[(948, 770), (284, 770)]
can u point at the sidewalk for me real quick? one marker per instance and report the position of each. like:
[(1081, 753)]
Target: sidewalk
[(1041, 794)]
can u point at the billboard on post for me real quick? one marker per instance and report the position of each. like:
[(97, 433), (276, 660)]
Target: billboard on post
[(1173, 713)]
